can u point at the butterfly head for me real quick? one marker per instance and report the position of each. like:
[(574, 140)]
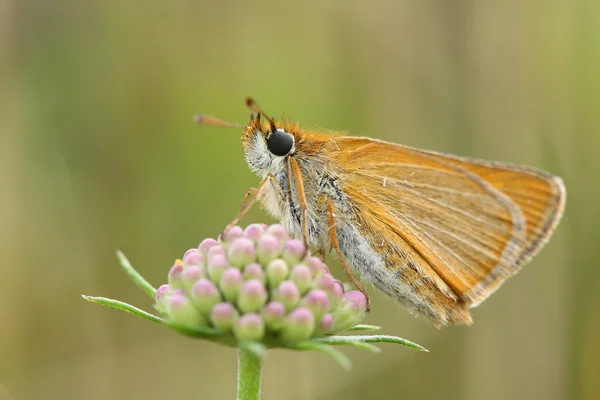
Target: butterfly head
[(267, 143)]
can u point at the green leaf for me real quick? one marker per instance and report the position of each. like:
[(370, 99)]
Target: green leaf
[(325, 349), (337, 340), (119, 305), (133, 274), (207, 333), (363, 327)]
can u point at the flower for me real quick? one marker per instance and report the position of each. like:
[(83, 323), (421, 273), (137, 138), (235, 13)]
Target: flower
[(257, 288), (258, 284)]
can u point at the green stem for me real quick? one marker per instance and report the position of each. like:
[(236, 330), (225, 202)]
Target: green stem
[(249, 374)]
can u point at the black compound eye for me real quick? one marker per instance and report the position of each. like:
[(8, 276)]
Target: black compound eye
[(280, 142)]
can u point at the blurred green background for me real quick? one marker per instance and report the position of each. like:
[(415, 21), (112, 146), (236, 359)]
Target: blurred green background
[(98, 152)]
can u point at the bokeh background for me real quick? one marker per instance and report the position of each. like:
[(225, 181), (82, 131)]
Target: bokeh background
[(98, 152)]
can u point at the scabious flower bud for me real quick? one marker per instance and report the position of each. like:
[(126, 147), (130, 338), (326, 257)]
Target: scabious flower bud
[(217, 264), (182, 312), (249, 327), (230, 284), (254, 232), (316, 301), (268, 248), (232, 233), (190, 275), (278, 231), (325, 325), (254, 271), (288, 294), (351, 311), (277, 272), (204, 295), (257, 284), (192, 257), (223, 316), (302, 277), (241, 252), (330, 286), (293, 251), (317, 266), (175, 275), (299, 325), (206, 244), (161, 297), (252, 297), (218, 249), (273, 315)]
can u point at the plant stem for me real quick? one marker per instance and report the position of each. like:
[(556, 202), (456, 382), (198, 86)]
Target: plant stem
[(249, 374)]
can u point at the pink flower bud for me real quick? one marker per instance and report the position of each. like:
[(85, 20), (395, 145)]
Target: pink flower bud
[(206, 244), (299, 325), (223, 316), (273, 315), (278, 231), (252, 297), (302, 277), (293, 251), (192, 257), (254, 232), (232, 233), (249, 327), (230, 284), (317, 301), (204, 295), (268, 248), (254, 271), (288, 294), (241, 252), (277, 272), (217, 264)]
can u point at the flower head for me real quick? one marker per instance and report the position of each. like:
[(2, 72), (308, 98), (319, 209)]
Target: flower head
[(257, 288), (258, 284)]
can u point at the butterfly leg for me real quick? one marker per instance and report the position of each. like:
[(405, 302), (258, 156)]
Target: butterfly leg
[(252, 195), (320, 253), (294, 171), (332, 232)]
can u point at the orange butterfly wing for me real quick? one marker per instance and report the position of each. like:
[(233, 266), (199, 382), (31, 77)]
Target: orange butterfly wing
[(465, 224)]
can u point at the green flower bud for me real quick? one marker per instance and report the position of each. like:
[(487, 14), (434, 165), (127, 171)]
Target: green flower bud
[(273, 315), (302, 277), (255, 271), (193, 257), (181, 311), (254, 232), (277, 272), (316, 301), (252, 297), (293, 251), (288, 294), (241, 252), (217, 264), (230, 284), (299, 325), (249, 327), (204, 295), (175, 275), (190, 275), (223, 316), (268, 248)]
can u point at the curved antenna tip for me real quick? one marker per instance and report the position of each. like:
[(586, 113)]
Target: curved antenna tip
[(208, 120)]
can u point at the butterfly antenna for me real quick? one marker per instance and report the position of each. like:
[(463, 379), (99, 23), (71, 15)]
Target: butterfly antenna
[(254, 107), (208, 120)]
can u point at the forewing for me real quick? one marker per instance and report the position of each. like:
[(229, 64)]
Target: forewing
[(470, 222)]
